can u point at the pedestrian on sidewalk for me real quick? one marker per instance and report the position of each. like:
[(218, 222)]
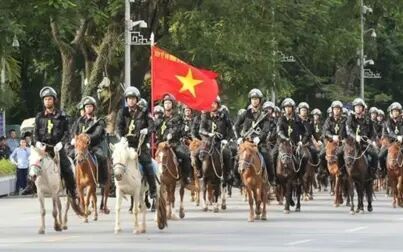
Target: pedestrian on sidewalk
[(20, 157)]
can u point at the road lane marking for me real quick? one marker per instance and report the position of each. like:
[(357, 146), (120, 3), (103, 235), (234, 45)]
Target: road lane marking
[(297, 242), (352, 230)]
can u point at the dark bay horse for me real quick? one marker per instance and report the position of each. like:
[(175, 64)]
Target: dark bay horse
[(358, 176)]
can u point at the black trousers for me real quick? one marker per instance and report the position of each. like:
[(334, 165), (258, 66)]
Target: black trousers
[(22, 175)]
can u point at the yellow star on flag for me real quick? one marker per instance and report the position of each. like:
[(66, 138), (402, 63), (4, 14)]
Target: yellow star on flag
[(188, 83)]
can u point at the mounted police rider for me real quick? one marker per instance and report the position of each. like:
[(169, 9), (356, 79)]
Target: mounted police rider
[(360, 128), (134, 123), (171, 128), (95, 129), (51, 130)]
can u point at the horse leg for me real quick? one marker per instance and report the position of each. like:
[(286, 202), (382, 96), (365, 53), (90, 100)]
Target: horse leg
[(204, 189), (181, 207), (298, 193), (197, 183), (223, 197), (288, 195), (351, 193), (250, 199), (360, 193), (118, 205), (369, 191), (87, 205), (216, 191), (65, 213), (43, 212), (131, 205), (59, 211), (173, 215), (399, 190), (105, 196), (265, 198), (54, 214), (94, 201), (143, 212), (258, 200), (337, 191)]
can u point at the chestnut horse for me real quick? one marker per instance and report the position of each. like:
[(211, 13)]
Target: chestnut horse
[(334, 170), (395, 172), (254, 177), (86, 175), (171, 174), (358, 177)]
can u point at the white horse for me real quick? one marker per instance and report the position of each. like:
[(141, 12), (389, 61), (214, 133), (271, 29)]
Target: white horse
[(128, 181), (45, 171)]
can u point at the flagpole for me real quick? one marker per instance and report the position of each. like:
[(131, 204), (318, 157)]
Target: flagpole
[(152, 92)]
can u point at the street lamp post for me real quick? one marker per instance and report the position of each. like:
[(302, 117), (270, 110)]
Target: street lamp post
[(132, 38), (364, 10)]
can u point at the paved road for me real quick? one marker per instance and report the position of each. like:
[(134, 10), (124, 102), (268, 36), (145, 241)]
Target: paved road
[(319, 227)]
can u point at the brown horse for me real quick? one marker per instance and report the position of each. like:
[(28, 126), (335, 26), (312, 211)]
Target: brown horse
[(358, 177), (212, 168), (194, 147), (308, 177), (86, 175), (254, 177), (395, 172), (334, 170), (166, 158)]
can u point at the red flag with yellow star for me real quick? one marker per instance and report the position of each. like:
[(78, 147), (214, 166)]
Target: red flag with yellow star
[(191, 86)]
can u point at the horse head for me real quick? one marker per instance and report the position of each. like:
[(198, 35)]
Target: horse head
[(394, 156), (247, 151), (81, 147), (122, 155), (331, 152), (350, 151), (206, 148), (285, 152)]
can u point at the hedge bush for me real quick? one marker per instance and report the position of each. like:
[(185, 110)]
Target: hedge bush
[(6, 168)]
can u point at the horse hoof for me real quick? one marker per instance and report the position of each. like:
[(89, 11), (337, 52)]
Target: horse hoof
[(348, 204), (352, 212), (118, 230), (95, 218), (223, 207), (370, 209), (280, 203), (257, 217), (197, 204), (182, 214), (41, 231), (205, 209), (297, 210), (64, 227), (85, 220), (292, 203), (215, 210), (263, 218), (310, 197), (57, 228), (106, 211), (286, 211)]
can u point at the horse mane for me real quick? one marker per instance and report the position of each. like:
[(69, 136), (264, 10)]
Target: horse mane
[(118, 152), (163, 145), (194, 144), (247, 146), (82, 141)]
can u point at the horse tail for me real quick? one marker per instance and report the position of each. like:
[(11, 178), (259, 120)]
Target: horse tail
[(161, 209), (76, 207)]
